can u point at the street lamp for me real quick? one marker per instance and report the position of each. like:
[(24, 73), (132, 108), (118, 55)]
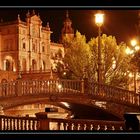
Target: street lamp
[(129, 51), (135, 48), (99, 19)]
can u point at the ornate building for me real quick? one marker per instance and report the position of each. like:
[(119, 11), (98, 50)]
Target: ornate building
[(26, 45)]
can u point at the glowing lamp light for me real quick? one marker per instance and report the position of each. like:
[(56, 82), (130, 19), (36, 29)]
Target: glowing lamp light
[(133, 42), (137, 48), (99, 19), (59, 86)]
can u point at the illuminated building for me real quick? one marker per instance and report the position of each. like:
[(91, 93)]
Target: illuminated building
[(26, 46)]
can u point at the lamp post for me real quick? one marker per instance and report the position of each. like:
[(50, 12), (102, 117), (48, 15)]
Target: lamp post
[(129, 51), (99, 18)]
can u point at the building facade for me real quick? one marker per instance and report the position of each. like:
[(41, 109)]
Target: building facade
[(26, 45)]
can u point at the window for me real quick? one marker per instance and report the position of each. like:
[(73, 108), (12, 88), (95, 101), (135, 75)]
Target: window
[(33, 49), (43, 49), (24, 46)]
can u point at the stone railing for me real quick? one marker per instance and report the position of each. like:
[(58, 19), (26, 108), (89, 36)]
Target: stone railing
[(80, 87), (28, 87), (114, 94), (41, 122), (18, 123)]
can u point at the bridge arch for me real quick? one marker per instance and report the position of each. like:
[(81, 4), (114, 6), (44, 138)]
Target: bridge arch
[(24, 91), (48, 100)]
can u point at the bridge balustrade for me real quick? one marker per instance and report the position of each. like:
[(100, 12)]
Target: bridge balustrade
[(88, 125), (18, 123), (33, 123), (27, 87), (114, 94), (75, 87)]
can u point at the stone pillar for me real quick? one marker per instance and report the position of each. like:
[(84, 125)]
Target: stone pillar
[(132, 121), (43, 120)]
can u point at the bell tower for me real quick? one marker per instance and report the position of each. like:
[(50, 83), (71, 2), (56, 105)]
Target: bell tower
[(67, 30)]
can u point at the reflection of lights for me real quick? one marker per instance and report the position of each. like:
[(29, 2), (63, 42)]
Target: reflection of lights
[(101, 104), (66, 104)]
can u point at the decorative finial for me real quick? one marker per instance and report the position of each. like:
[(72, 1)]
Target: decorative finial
[(38, 15), (67, 14), (48, 26), (18, 16), (28, 14), (33, 12)]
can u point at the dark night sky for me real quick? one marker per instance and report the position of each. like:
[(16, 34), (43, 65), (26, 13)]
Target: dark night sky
[(119, 23)]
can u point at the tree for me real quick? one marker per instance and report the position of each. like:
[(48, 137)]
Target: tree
[(115, 62), (77, 55), (136, 61), (58, 65), (82, 59)]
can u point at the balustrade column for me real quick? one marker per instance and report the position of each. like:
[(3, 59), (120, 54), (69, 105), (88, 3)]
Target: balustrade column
[(18, 88), (82, 86), (43, 121)]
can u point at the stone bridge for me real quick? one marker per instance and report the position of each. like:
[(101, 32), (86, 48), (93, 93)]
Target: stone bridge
[(112, 99)]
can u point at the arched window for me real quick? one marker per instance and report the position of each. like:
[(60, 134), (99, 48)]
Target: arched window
[(7, 65), (24, 46), (43, 47), (34, 64)]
